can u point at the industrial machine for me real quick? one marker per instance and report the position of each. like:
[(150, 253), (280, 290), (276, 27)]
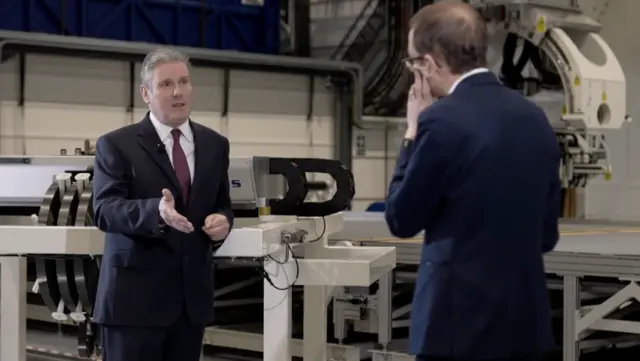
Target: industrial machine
[(592, 272), (560, 62), (47, 238), (552, 52)]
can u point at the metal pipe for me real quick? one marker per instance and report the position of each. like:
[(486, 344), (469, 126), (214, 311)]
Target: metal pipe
[(52, 44)]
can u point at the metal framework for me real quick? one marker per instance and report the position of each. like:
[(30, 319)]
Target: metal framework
[(597, 264), (322, 270), (290, 247)]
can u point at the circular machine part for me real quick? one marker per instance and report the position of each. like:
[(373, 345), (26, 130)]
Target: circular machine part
[(86, 268), (46, 277), (87, 272), (64, 265)]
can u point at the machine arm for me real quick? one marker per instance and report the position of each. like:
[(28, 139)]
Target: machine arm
[(279, 186), (561, 50)]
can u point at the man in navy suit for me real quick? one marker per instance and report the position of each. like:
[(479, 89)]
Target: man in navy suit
[(161, 195), (479, 173)]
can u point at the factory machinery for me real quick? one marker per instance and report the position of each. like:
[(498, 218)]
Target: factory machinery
[(50, 256), (537, 46), (594, 267), (546, 48)]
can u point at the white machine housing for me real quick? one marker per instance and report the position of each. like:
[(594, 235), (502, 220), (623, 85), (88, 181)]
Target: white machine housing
[(249, 181), (273, 240), (25, 179), (593, 81)]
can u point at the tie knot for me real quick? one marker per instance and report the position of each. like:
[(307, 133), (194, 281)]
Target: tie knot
[(176, 134)]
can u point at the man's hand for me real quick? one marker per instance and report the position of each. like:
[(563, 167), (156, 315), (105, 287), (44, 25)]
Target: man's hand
[(170, 216), (419, 99), (216, 226)]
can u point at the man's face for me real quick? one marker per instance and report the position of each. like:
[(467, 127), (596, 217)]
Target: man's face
[(419, 65), (168, 93), (426, 67)]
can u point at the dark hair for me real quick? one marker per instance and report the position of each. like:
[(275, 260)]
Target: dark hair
[(453, 32)]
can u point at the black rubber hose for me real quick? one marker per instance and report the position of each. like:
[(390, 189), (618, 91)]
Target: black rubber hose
[(548, 77), (348, 34), (511, 74), (377, 96), (372, 91), (399, 80)]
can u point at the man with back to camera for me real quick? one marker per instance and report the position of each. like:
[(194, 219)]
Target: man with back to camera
[(479, 173), (161, 195)]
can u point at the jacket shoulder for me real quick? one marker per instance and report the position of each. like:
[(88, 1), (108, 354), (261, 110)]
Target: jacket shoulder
[(209, 133), (121, 133)]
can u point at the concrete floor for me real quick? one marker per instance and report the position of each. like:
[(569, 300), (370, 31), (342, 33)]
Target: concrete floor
[(52, 343)]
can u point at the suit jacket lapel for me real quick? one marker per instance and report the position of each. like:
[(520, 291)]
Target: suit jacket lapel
[(203, 153), (150, 141)]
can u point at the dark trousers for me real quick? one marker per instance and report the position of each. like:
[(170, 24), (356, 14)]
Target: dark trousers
[(181, 341)]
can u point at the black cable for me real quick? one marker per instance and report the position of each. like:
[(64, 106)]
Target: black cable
[(267, 277), (511, 73), (548, 76), (324, 230), (289, 254)]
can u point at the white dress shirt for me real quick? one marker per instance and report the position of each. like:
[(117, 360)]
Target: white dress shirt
[(186, 141), (465, 76)]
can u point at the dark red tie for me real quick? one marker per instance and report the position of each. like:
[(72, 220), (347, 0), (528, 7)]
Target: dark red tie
[(180, 165)]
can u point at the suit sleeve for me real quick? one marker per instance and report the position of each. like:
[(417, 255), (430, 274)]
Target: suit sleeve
[(551, 235), (418, 182), (113, 211), (223, 198)]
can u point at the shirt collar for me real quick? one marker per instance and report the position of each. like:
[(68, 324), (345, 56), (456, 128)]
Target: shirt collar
[(164, 131), (465, 76)]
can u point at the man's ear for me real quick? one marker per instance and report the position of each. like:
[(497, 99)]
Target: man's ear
[(145, 93), (430, 65)]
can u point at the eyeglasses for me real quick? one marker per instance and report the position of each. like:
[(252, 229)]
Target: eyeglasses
[(410, 62)]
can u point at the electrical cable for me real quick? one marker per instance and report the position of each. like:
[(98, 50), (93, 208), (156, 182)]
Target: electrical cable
[(287, 256), (511, 71)]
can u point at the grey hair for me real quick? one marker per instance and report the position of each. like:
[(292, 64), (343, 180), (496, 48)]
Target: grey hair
[(157, 57)]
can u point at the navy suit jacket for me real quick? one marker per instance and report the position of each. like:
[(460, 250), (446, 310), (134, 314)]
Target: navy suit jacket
[(150, 275), (482, 180)]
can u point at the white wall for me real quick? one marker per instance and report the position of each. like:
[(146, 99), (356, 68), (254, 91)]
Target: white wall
[(374, 162), (69, 100), (619, 199)]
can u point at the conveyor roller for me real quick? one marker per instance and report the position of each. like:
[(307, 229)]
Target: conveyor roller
[(68, 285)]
